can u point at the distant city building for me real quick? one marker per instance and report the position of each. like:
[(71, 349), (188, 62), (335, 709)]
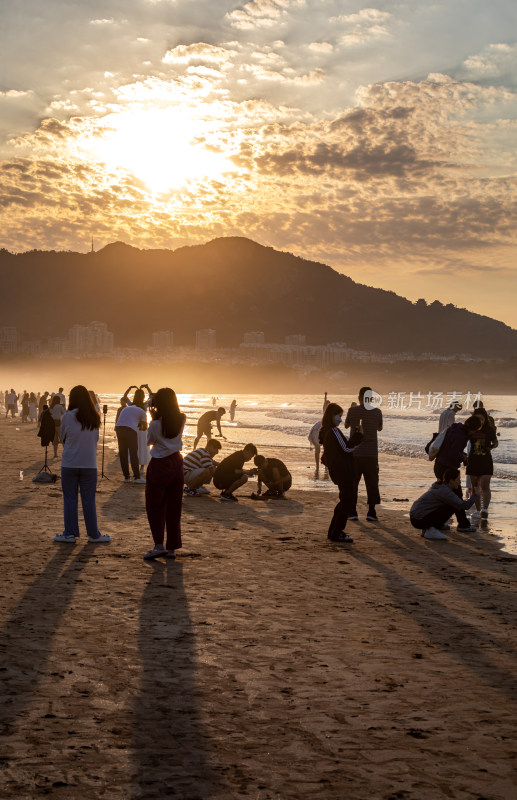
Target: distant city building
[(253, 337), (90, 339), (9, 339), (296, 339), (32, 346), (205, 339), (162, 340)]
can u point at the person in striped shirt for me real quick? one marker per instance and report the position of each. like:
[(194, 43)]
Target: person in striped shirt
[(199, 467)]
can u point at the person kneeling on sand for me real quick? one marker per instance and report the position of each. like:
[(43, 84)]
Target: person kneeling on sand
[(431, 511), (274, 474), (199, 468), (230, 473)]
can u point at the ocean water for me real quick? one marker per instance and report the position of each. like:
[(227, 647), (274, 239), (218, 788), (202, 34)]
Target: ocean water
[(279, 425)]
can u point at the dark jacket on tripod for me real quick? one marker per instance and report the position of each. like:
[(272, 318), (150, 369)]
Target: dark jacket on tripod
[(47, 428)]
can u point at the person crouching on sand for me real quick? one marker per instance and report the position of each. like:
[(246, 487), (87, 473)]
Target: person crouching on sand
[(164, 485), (432, 510), (80, 433), (230, 473), (339, 459)]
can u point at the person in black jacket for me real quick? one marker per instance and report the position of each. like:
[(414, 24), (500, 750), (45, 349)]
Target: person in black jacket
[(339, 460)]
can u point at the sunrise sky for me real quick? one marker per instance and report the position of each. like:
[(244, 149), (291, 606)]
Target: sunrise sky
[(378, 138)]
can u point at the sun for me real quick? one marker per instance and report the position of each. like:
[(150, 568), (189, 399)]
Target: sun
[(164, 148)]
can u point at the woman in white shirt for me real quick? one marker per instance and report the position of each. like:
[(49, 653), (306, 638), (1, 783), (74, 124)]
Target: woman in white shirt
[(80, 434), (164, 485), (57, 412)]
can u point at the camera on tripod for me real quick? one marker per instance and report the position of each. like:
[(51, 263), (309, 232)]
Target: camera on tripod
[(105, 409)]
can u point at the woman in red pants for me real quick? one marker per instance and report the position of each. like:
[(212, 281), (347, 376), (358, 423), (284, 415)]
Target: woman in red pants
[(164, 484)]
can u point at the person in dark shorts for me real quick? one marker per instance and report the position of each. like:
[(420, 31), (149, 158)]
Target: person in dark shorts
[(274, 474), (204, 425), (366, 454), (230, 473), (480, 465)]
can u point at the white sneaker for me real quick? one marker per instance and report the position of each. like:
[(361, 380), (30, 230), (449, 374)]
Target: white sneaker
[(475, 515), (127, 480), (139, 480), (202, 490), (433, 533), (104, 538)]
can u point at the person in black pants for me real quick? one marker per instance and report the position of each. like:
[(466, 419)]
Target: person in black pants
[(126, 429), (366, 455), (451, 455), (338, 457)]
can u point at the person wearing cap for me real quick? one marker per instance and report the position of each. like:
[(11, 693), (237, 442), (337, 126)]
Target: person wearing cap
[(448, 415)]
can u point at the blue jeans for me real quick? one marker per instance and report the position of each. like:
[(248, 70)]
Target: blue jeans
[(73, 480)]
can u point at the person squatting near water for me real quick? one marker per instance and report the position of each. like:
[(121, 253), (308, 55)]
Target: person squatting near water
[(199, 468), (230, 474), (430, 512), (274, 474), (338, 457)]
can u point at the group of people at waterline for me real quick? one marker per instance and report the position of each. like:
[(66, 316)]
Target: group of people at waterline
[(347, 458)]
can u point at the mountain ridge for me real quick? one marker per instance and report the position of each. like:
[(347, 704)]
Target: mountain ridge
[(231, 284)]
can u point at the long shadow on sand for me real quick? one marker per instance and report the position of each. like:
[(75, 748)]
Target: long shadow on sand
[(26, 637), (170, 747), (458, 638)]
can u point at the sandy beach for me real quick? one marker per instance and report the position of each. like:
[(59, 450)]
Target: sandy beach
[(264, 663)]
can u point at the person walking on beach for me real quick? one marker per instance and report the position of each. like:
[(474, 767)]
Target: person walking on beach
[(274, 474), (448, 415), (338, 457), (480, 464), (204, 425), (199, 468), (366, 454), (164, 485), (33, 408), (233, 406), (57, 412), (25, 407), (430, 512), (451, 456), (230, 474), (12, 404), (313, 438), (80, 434)]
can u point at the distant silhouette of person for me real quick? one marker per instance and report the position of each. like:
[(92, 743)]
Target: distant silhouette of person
[(33, 408), (12, 404), (25, 407), (204, 424), (313, 438), (230, 474), (57, 412), (326, 402), (42, 402), (233, 406)]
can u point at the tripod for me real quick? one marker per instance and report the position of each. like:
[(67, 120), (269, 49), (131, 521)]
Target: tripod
[(45, 467), (104, 412)]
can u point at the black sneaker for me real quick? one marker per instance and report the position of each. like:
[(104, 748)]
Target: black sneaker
[(228, 497), (353, 517), (341, 537), (372, 517)]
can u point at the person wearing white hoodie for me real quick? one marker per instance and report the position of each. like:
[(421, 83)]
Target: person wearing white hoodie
[(430, 512)]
